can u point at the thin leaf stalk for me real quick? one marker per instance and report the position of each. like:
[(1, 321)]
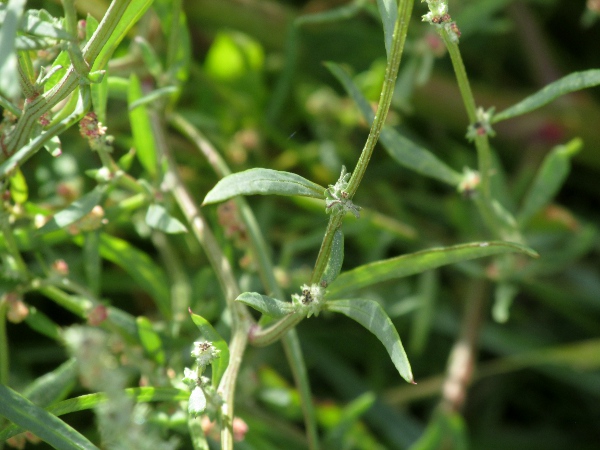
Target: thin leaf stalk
[(4, 361), (391, 72)]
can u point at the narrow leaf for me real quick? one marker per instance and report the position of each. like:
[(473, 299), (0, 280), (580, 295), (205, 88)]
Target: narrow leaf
[(44, 425), (134, 11), (571, 83), (266, 305), (263, 182), (141, 128), (371, 315), (53, 386), (158, 218), (549, 179), (41, 323), (388, 10), (401, 149), (75, 211), (334, 265), (150, 340), (210, 334), (18, 187), (405, 265)]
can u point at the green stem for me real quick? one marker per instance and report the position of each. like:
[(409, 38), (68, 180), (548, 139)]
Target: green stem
[(484, 155), (385, 100)]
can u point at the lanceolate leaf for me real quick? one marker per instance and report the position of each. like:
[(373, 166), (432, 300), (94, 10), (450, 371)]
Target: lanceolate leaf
[(263, 182), (371, 315), (402, 266), (44, 425), (158, 218), (549, 179), (210, 335), (266, 305), (141, 127), (401, 149), (571, 83), (150, 340)]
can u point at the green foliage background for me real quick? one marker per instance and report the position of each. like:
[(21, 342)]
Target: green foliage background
[(253, 82)]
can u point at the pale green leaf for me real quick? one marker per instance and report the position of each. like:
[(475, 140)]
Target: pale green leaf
[(197, 402), (158, 218), (371, 315), (44, 425), (571, 83), (405, 265), (54, 385), (266, 305), (263, 182)]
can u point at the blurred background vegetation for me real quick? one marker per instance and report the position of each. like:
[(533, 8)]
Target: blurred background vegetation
[(257, 88)]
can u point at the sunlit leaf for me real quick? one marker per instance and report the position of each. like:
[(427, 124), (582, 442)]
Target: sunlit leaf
[(371, 315), (9, 72), (18, 187), (571, 83), (402, 266), (263, 182)]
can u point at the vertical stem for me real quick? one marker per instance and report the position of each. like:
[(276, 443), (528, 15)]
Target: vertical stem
[(4, 363), (385, 100)]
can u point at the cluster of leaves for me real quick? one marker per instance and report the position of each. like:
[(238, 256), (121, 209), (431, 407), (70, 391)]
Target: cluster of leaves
[(102, 226)]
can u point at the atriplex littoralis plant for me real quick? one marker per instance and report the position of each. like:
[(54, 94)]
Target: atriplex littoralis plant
[(80, 84)]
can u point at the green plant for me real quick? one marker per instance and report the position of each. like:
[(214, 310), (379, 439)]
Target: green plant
[(92, 253)]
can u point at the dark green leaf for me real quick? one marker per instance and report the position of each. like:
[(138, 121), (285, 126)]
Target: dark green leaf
[(401, 149), (571, 83), (266, 305), (210, 335), (371, 315), (158, 218), (402, 266), (44, 425), (263, 182)]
